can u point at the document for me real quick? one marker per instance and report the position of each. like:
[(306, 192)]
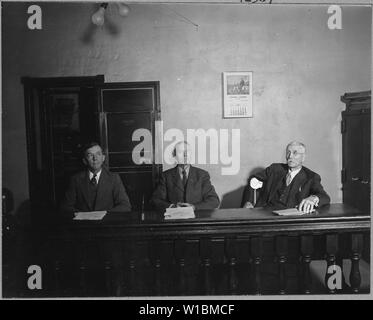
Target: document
[(179, 213), (289, 212), (91, 215)]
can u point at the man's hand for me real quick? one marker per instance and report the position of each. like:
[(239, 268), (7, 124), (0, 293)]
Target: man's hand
[(248, 205), (307, 205)]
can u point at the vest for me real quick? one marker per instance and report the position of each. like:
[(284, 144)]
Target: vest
[(281, 199), (92, 195)]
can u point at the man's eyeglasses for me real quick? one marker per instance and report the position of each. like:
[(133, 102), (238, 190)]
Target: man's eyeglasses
[(295, 153)]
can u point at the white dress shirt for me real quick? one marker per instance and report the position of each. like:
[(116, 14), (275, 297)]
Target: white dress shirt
[(293, 173), (97, 175), (186, 168)]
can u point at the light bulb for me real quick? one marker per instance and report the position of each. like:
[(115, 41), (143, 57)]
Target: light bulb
[(99, 17), (123, 9)]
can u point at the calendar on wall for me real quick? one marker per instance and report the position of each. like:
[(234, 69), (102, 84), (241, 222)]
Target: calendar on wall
[(238, 94)]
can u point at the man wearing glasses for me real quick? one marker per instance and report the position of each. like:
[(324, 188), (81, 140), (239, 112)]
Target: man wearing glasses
[(289, 185)]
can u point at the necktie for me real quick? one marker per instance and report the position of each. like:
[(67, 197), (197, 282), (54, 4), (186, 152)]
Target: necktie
[(94, 181), (185, 178), (288, 179)]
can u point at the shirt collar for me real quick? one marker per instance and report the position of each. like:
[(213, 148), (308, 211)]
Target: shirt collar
[(294, 172), (186, 168), (97, 175)]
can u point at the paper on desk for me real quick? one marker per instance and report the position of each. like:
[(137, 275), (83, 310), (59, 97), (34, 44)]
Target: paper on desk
[(91, 215), (179, 213), (289, 212)]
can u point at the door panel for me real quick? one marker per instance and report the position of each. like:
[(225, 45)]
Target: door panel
[(353, 194), (366, 163), (127, 107), (356, 158), (352, 155), (71, 117), (121, 126), (128, 99), (61, 115), (124, 159), (366, 146)]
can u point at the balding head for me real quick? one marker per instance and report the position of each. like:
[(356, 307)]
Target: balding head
[(182, 152)]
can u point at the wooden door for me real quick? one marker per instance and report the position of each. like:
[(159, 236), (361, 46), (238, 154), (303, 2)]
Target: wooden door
[(64, 113), (61, 114), (125, 108), (366, 145), (356, 159), (352, 136)]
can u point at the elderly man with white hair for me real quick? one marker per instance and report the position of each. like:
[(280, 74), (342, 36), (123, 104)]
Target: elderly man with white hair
[(289, 185)]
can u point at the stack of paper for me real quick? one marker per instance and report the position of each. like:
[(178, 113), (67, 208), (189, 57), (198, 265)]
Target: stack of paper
[(92, 215), (179, 213), (289, 212)]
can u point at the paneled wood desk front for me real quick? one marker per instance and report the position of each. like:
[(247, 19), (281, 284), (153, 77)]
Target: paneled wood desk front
[(226, 251)]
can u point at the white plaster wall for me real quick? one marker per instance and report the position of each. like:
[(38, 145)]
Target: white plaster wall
[(301, 68)]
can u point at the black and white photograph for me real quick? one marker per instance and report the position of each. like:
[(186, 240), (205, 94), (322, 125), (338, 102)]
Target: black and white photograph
[(191, 150)]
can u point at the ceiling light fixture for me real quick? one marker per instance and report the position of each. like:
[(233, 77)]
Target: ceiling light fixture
[(98, 18)]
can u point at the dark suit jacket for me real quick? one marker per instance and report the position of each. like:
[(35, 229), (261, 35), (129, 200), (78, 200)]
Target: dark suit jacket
[(200, 192), (304, 184), (111, 195)]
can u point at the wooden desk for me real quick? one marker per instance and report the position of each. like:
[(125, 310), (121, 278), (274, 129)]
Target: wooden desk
[(226, 251)]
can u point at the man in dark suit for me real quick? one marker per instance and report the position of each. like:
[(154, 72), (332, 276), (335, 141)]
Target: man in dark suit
[(289, 185), (184, 185), (95, 189)]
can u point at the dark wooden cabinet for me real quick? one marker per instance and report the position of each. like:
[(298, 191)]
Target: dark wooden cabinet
[(356, 123), (64, 113)]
